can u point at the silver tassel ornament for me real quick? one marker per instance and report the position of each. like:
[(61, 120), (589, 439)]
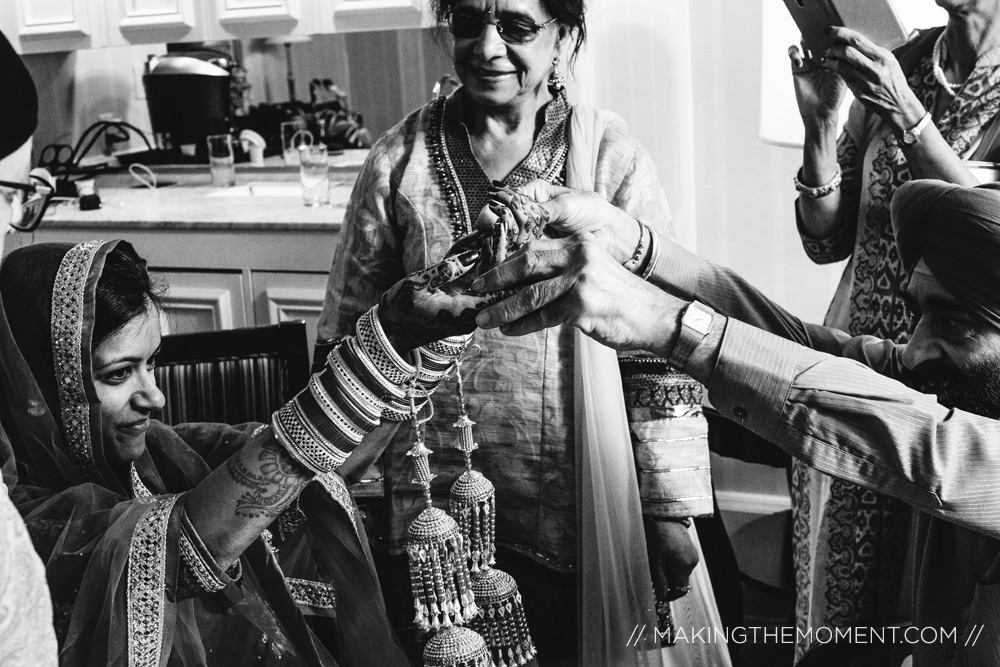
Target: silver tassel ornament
[(456, 647), (438, 553), (501, 620)]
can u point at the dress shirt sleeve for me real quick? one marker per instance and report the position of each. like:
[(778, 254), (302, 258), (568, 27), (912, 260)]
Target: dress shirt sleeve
[(694, 278), (846, 420)]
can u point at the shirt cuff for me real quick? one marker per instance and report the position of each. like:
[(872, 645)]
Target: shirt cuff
[(682, 274), (672, 458), (753, 377)]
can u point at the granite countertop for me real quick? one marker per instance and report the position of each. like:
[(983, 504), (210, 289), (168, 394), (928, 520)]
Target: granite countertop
[(268, 198)]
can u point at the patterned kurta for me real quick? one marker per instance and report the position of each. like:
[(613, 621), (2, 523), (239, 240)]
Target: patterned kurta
[(420, 189), (850, 543)]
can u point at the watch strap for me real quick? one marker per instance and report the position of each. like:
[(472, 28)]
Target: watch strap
[(696, 322), (912, 135)]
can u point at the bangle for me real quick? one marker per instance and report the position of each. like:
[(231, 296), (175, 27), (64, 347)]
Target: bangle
[(633, 262), (822, 190), (383, 355), (654, 255)]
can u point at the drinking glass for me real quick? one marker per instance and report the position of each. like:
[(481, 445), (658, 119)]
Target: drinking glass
[(313, 171), (293, 135), (221, 160)]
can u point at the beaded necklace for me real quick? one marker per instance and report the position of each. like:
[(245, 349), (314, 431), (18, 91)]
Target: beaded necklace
[(937, 59)]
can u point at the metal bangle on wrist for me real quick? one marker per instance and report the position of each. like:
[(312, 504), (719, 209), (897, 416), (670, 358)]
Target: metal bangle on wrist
[(820, 191)]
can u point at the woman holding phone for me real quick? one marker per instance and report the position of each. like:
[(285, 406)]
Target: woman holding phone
[(920, 111)]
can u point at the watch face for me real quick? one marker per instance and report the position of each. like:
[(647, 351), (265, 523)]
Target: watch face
[(697, 319)]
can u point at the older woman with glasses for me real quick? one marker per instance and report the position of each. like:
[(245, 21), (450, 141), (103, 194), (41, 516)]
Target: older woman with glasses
[(421, 188)]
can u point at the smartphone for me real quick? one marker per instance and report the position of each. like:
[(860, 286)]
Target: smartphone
[(875, 19)]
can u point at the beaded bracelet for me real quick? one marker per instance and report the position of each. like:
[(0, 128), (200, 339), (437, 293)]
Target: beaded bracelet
[(652, 257), (822, 190), (633, 262)]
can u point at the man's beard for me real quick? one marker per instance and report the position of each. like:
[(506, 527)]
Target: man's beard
[(976, 391)]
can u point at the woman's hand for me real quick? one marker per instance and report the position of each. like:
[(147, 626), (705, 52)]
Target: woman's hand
[(571, 211), (432, 304), (874, 76), (672, 557), (819, 91)]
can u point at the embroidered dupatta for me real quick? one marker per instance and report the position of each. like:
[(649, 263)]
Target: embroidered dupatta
[(113, 549)]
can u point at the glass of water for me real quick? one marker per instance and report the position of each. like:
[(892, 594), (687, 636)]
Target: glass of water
[(313, 171), (221, 160)]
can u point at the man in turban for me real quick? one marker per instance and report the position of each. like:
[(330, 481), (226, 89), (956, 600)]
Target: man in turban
[(26, 634), (919, 422)]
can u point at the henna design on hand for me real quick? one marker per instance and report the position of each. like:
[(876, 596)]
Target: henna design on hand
[(270, 487), (436, 302)]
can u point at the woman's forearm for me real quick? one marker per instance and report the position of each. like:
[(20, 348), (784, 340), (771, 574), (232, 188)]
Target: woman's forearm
[(234, 504), (931, 157), (362, 384), (821, 216)]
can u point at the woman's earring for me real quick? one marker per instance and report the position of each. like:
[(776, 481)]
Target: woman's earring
[(557, 78)]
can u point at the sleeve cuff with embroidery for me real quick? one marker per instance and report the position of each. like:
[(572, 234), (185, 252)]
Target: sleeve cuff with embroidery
[(672, 458), (832, 248), (200, 573)]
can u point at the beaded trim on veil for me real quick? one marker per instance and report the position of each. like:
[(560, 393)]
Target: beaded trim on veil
[(67, 335)]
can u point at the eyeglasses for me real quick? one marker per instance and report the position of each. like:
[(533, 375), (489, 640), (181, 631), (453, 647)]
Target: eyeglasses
[(513, 31), (29, 201)]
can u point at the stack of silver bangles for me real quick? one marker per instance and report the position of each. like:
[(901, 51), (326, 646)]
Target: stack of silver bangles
[(364, 381)]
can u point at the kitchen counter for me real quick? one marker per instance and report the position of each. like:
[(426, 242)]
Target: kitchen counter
[(268, 198)]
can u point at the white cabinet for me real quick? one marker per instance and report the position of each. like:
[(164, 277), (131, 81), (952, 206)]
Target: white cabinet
[(203, 301), (360, 15), (155, 21), (287, 296), (42, 26), (229, 19)]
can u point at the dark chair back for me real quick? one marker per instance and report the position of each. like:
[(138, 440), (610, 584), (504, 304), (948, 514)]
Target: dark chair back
[(232, 376)]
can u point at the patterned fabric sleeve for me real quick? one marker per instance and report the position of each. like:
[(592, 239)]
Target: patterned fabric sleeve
[(368, 257), (671, 450), (840, 244)]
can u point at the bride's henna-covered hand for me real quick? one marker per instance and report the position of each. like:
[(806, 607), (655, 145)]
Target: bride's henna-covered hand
[(436, 302), (523, 218), (432, 304)]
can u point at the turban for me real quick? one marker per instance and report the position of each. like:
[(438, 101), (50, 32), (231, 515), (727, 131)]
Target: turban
[(18, 101), (956, 231)]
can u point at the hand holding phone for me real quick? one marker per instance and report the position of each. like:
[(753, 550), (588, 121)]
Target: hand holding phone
[(875, 19)]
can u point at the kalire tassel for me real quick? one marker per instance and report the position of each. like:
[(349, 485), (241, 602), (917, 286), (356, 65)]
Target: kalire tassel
[(456, 647), (501, 621), (439, 573), (473, 501)]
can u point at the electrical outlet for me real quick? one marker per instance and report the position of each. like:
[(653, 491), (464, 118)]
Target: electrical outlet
[(138, 69)]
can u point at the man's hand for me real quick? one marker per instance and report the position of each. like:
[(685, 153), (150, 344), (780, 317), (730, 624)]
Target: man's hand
[(672, 557), (570, 211), (574, 281)]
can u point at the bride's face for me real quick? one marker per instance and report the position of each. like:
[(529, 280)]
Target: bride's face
[(124, 381)]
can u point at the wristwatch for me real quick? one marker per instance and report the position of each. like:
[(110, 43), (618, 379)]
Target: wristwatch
[(911, 135), (695, 325)]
